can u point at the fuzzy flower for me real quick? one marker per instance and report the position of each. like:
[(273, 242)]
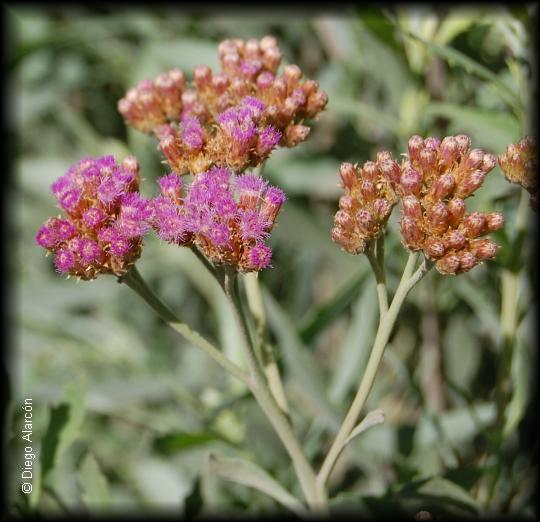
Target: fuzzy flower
[(519, 164), (367, 203), (105, 218), (227, 217), (435, 180)]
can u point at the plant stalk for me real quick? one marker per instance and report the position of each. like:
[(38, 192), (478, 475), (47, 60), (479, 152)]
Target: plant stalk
[(381, 339)]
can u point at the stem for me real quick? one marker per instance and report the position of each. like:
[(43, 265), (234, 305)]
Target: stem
[(381, 339), (202, 258), (134, 280), (376, 263), (271, 370), (266, 401)]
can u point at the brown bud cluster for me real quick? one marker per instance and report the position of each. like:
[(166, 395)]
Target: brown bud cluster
[(153, 103), (367, 203), (435, 180), (519, 165), (235, 117)]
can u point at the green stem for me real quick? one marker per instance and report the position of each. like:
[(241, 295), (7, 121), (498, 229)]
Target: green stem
[(271, 370), (134, 280), (381, 339), (378, 270), (266, 401)]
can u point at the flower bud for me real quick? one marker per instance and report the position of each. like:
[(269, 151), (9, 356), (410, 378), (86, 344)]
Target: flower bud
[(442, 186), (415, 145), (474, 224), (267, 42), (295, 134), (474, 159), (316, 103), (292, 74), (271, 58), (348, 175), (494, 221), (455, 240), (346, 202), (411, 181), (390, 170), (365, 221), (437, 218), (470, 182), (381, 209), (449, 264), (467, 260), (411, 233), (449, 150), (412, 208), (428, 160), (265, 80), (456, 210), (432, 143), (369, 171), (464, 142), (434, 248), (489, 163), (483, 249), (368, 190), (344, 220)]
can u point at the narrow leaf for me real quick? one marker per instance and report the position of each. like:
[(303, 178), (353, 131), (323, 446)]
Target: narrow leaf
[(95, 489), (249, 474), (371, 419)]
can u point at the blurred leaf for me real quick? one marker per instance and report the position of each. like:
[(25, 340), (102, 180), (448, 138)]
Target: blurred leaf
[(490, 130), (95, 489), (371, 419), (178, 441), (193, 503), (298, 360), (249, 474), (64, 424), (354, 349), (318, 318), (456, 22)]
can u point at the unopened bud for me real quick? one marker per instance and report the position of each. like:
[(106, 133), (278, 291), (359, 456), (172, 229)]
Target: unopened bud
[(390, 170), (295, 134), (483, 249), (470, 182), (292, 73), (455, 240), (265, 80), (437, 218), (443, 186), (130, 163), (415, 145), (428, 160), (365, 221), (412, 208), (411, 233), (347, 173), (271, 58), (280, 88), (494, 221), (381, 209), (456, 209), (467, 260), (449, 150), (449, 264), (432, 143), (411, 181), (434, 248), (267, 42), (343, 219), (464, 142), (369, 171), (220, 82), (367, 189), (474, 224), (316, 103), (474, 159), (251, 48), (489, 163), (346, 202)]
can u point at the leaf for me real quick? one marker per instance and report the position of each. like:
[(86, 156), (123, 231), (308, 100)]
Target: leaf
[(177, 441), (318, 318), (371, 419), (441, 491), (489, 129), (249, 474), (64, 423), (95, 489), (298, 360)]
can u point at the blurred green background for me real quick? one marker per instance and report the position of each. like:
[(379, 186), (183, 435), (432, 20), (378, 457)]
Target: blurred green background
[(141, 408)]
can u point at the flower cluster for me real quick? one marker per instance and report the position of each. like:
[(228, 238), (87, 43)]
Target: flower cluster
[(519, 165), (104, 218), (367, 203), (227, 217), (152, 104), (435, 180), (233, 118)]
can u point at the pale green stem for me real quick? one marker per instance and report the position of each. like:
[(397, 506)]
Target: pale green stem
[(378, 270), (271, 370), (266, 401), (381, 339), (134, 280)]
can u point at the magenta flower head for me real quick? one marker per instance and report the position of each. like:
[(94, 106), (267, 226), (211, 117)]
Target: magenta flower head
[(105, 218), (227, 217)]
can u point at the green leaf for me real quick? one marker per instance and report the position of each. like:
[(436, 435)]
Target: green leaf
[(64, 424), (171, 443), (318, 318), (249, 474), (95, 489), (299, 361), (488, 129), (371, 419)]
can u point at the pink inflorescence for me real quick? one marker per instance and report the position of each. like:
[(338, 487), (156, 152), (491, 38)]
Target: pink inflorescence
[(227, 217), (104, 218)]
